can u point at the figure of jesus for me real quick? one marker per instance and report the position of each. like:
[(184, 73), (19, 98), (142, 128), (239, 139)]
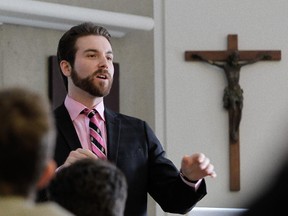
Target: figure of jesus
[(233, 93)]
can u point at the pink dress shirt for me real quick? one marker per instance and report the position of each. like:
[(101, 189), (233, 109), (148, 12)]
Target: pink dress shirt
[(81, 121)]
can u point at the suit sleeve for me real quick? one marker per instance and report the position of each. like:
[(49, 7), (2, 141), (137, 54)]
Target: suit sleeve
[(165, 184)]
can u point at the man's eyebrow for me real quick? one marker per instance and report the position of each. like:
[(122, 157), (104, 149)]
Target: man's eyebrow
[(97, 51)]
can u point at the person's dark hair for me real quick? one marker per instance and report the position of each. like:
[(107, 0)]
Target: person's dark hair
[(90, 187), (26, 139), (66, 48)]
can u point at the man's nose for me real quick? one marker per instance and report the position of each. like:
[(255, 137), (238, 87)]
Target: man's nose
[(103, 63)]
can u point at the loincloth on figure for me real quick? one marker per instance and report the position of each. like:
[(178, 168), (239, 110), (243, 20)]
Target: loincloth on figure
[(233, 98)]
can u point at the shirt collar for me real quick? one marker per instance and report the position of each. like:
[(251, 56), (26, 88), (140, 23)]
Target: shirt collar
[(74, 108)]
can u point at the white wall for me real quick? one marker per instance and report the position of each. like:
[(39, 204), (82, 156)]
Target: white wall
[(191, 114)]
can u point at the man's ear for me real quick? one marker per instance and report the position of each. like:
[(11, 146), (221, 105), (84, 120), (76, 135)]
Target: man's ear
[(65, 68), (47, 174)]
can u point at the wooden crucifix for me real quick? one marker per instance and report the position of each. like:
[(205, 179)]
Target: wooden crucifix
[(231, 62)]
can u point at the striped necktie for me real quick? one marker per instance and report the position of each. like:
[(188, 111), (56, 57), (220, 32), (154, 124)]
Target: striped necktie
[(97, 142)]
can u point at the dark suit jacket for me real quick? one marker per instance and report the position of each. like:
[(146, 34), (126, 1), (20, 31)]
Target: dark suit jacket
[(134, 148)]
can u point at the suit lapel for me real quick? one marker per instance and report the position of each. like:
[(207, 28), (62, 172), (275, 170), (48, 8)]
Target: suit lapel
[(66, 127), (113, 125)]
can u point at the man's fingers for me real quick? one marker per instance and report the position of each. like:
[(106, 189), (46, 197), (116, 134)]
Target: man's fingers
[(86, 153), (79, 154)]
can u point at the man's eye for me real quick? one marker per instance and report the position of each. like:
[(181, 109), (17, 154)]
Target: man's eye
[(91, 56)]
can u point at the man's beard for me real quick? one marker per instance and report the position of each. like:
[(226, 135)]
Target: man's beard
[(88, 85)]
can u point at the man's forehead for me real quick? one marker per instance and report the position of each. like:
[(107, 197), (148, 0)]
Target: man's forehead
[(93, 42)]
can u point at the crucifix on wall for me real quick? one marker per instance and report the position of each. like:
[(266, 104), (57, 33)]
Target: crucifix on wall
[(231, 62)]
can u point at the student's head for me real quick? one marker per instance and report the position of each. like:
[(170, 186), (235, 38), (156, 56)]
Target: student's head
[(90, 187), (26, 142)]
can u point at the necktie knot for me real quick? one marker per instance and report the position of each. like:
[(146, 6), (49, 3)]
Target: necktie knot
[(89, 112)]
